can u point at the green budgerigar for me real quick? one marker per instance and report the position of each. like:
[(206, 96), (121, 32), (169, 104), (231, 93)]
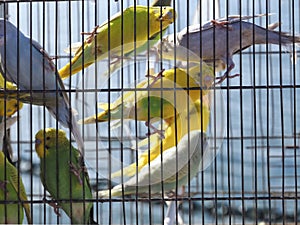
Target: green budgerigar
[(138, 23), (64, 175), (12, 189)]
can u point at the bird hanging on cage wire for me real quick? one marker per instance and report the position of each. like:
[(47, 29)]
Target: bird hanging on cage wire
[(173, 169), (12, 194), (36, 74), (60, 161), (188, 121), (218, 40), (143, 47), (157, 98), (121, 35)]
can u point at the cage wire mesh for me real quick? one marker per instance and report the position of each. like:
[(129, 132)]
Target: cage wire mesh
[(248, 173)]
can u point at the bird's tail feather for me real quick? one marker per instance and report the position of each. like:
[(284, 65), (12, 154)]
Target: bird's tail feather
[(76, 133), (106, 193)]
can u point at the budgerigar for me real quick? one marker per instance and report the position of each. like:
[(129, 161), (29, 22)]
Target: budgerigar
[(36, 74), (175, 166), (138, 105), (64, 175), (138, 23), (12, 189), (142, 49), (217, 41), (185, 122)]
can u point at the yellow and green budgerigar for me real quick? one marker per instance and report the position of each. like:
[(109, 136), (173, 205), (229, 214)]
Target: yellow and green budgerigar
[(11, 105), (185, 122), (152, 41), (13, 191), (124, 32), (64, 175), (162, 96)]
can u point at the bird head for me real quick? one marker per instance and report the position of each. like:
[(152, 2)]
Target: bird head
[(12, 106), (48, 139), (167, 15)]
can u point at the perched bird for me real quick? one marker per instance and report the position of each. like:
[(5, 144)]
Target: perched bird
[(157, 98), (188, 121), (124, 32), (64, 175), (154, 39), (36, 74), (12, 189), (217, 41), (173, 169)]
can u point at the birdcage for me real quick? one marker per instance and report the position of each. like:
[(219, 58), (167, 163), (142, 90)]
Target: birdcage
[(179, 114)]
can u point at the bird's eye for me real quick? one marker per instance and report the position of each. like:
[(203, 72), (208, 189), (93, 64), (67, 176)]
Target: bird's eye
[(48, 138)]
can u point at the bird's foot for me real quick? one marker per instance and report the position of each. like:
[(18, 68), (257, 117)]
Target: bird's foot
[(155, 78), (76, 171), (155, 130), (3, 187), (53, 204), (224, 77), (221, 24), (50, 59), (179, 194), (91, 34)]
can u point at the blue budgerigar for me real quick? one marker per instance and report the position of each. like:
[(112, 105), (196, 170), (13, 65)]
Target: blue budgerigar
[(24, 62)]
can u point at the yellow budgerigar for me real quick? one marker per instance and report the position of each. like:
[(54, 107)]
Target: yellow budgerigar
[(124, 32), (161, 97), (185, 122)]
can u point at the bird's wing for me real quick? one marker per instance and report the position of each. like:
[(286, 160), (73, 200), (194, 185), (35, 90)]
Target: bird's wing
[(14, 179)]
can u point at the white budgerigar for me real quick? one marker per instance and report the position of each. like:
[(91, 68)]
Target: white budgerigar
[(174, 167)]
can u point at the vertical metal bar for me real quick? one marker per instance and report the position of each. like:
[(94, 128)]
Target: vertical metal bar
[(254, 118), (268, 119), (136, 114), (282, 115), (96, 111), (242, 123), (122, 108), (109, 99), (295, 120)]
